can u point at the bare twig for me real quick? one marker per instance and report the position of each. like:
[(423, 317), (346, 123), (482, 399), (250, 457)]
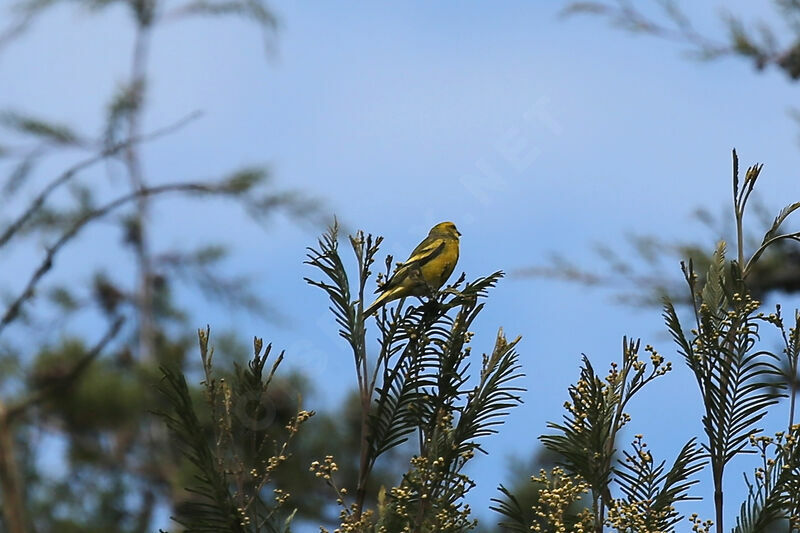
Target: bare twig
[(623, 13), (71, 172), (13, 309), (791, 236), (15, 30), (138, 88)]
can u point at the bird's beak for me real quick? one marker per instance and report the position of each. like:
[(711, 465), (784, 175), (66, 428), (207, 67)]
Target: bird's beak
[(458, 233)]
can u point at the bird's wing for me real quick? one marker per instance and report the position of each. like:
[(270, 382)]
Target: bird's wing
[(424, 252)]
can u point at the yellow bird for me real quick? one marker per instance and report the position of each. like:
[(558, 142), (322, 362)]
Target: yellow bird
[(425, 270)]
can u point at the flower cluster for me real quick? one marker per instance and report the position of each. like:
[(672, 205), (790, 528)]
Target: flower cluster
[(432, 491), (699, 525), (554, 509)]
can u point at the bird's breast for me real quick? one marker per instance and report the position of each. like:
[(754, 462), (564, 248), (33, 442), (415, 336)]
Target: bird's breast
[(441, 267)]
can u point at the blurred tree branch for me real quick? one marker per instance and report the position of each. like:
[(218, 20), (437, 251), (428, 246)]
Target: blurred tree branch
[(104, 420), (644, 281), (760, 43), (10, 481), (47, 263), (62, 179)]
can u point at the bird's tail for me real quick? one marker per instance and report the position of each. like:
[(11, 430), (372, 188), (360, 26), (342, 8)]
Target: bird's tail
[(384, 298)]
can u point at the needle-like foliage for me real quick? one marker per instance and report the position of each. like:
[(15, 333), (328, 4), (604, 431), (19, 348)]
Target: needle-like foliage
[(418, 382), (733, 375), (235, 457), (737, 379), (585, 442), (516, 516), (557, 508), (650, 490), (217, 510), (774, 492), (429, 497)]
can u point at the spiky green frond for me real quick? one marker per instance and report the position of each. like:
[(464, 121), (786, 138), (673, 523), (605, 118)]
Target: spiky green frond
[(774, 492), (518, 519), (216, 509), (475, 289), (733, 376), (418, 382), (685, 347), (489, 402), (557, 506), (345, 310), (651, 492), (779, 220), (713, 293), (582, 439), (452, 418), (408, 369), (226, 495), (586, 439)]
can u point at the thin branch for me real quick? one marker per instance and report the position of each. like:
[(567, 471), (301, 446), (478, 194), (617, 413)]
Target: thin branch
[(138, 88), (16, 29), (627, 16), (13, 310), (763, 247), (71, 172)]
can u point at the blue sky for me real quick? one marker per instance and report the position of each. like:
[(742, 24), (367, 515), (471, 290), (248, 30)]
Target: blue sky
[(533, 133)]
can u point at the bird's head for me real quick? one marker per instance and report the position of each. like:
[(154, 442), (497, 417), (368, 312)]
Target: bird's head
[(445, 229)]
